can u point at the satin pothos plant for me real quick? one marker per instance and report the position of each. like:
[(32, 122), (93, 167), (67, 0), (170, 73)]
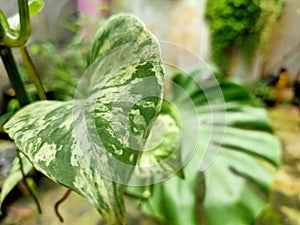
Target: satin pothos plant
[(132, 129)]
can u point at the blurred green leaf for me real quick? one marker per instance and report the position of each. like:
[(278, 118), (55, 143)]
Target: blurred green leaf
[(5, 117), (3, 20), (35, 6), (173, 202)]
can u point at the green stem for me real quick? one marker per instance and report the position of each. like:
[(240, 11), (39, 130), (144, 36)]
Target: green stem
[(14, 75), (33, 73), (27, 185), (2, 31), (19, 38)]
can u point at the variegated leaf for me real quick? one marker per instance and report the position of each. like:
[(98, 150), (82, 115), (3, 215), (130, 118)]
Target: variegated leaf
[(119, 32), (15, 176), (91, 144)]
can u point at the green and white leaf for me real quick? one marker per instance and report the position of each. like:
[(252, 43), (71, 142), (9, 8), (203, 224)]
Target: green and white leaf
[(91, 144), (15, 176), (119, 33)]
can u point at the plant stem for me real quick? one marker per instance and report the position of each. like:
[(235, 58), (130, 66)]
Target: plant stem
[(57, 204), (14, 75), (27, 185), (18, 38), (33, 73)]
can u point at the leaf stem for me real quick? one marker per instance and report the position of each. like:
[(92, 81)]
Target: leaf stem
[(27, 185), (14, 75), (33, 73)]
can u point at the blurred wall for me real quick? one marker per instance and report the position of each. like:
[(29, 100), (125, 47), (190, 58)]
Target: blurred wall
[(283, 49), (180, 22)]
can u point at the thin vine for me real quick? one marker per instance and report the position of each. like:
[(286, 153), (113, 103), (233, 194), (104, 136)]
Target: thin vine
[(58, 203)]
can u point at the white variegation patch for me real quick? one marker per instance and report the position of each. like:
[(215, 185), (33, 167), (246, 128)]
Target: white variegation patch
[(47, 153)]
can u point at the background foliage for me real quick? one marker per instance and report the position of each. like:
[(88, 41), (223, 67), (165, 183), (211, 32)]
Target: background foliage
[(239, 24)]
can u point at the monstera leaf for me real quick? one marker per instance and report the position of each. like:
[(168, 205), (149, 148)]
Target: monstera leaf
[(92, 144), (236, 152)]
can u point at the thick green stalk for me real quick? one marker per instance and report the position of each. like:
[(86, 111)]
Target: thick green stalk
[(14, 75), (19, 38), (33, 73)]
